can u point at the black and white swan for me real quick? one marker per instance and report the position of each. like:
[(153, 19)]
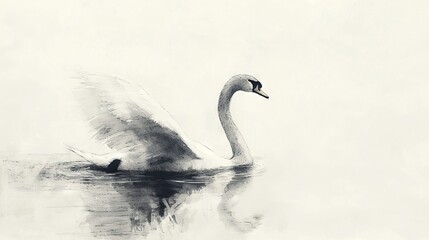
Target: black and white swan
[(146, 138)]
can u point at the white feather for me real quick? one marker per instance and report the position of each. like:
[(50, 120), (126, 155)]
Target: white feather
[(144, 136)]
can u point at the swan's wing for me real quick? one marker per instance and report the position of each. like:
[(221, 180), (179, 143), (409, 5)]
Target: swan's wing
[(128, 120)]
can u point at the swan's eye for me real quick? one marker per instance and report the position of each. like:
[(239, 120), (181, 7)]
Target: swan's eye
[(255, 84)]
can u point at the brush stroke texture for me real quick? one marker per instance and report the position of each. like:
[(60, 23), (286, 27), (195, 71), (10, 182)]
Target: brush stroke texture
[(128, 120)]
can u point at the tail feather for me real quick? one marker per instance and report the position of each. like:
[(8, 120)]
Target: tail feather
[(99, 160)]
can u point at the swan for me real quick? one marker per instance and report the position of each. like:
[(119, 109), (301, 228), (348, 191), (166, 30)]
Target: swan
[(144, 136)]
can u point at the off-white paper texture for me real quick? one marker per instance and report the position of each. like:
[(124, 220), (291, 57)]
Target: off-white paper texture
[(341, 145)]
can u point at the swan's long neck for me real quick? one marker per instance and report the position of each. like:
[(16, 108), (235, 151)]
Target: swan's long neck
[(239, 148)]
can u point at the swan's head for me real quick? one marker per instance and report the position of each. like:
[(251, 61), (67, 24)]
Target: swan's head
[(249, 83)]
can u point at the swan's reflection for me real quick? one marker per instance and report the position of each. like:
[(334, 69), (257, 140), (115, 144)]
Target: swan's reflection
[(156, 204), (125, 203), (229, 200)]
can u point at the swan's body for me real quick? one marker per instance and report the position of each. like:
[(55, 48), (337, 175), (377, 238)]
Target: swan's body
[(146, 138)]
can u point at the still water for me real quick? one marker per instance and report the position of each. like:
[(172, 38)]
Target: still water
[(61, 196)]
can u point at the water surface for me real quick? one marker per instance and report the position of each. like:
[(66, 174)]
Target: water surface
[(44, 191)]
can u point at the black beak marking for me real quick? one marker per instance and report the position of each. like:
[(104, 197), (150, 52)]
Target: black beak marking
[(255, 84)]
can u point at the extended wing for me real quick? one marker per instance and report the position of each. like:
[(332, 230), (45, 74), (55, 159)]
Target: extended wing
[(128, 120)]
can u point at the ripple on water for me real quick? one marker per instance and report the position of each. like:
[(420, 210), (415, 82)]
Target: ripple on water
[(129, 203), (84, 172)]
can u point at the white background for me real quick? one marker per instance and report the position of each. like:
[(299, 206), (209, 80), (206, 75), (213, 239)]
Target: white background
[(344, 136)]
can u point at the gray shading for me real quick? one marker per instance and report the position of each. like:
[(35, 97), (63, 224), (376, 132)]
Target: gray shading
[(235, 187), (119, 124), (143, 136), (132, 203)]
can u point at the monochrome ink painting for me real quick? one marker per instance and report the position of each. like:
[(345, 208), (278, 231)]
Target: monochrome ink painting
[(214, 119)]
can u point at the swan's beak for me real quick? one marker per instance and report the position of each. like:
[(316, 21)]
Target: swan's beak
[(260, 92)]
